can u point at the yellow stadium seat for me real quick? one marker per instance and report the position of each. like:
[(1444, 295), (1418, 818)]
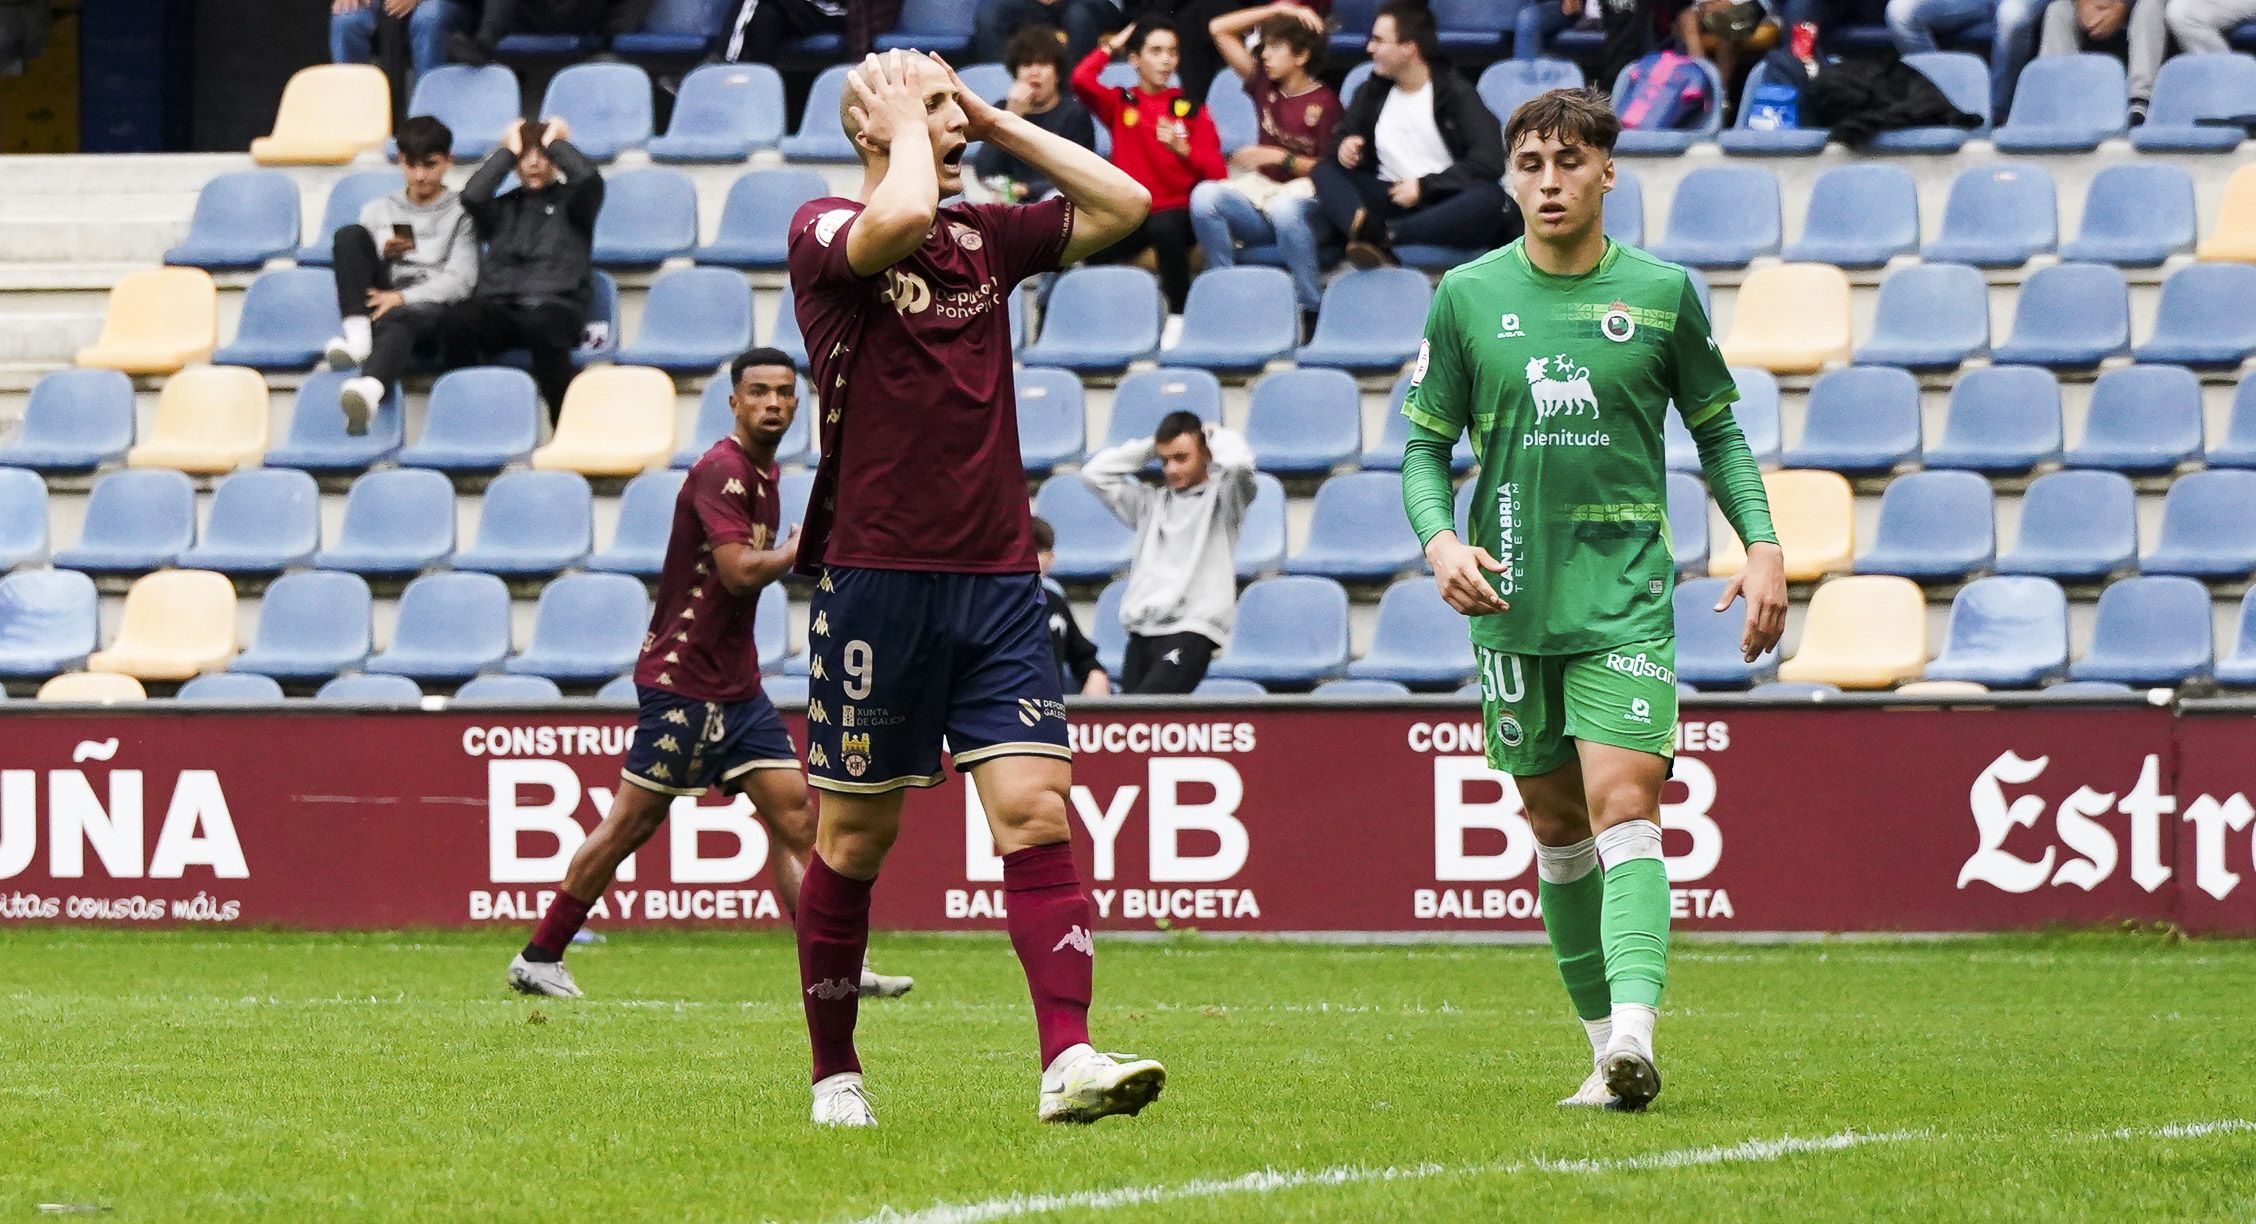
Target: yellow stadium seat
[(1863, 632), (1790, 319), (1815, 514), (177, 624), (1941, 688), (617, 421), (330, 114), (157, 321), (210, 419), (2234, 236), (103, 687)]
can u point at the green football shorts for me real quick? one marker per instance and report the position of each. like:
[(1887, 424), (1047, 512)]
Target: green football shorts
[(1533, 707)]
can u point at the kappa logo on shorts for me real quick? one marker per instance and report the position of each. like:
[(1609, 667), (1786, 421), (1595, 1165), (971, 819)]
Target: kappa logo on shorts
[(817, 714), (667, 743)]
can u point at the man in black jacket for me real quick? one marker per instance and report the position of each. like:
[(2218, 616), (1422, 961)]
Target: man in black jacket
[(533, 280), (1418, 157), (1076, 655)]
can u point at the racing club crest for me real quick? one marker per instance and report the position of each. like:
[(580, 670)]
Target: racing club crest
[(1616, 324)]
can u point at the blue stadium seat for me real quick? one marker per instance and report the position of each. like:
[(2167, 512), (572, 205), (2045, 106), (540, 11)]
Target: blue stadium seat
[(311, 626), (1358, 532), (693, 320), (262, 521), (137, 520), (1105, 629), (1929, 317), (397, 523), (2151, 630), (1669, 143), (2005, 633), (1100, 319), (2238, 447), (989, 81), (1688, 523), (715, 421), (230, 688), (1707, 641), (1235, 122), (1394, 433), (507, 690), (532, 524), (1505, 84), (2002, 420), (2070, 316), (479, 419), (1722, 217), (820, 138), (1351, 22), (756, 215), (318, 441), (608, 106), (2087, 689), (724, 113), (1358, 689), (599, 334), (1237, 320), (47, 622), (1803, 693), (243, 218), (793, 491), (1625, 212), (1934, 527), (2136, 214), (347, 197), (2208, 527), (1261, 538), (2076, 526), (1862, 421), (23, 517), (2144, 420), (476, 104), (1965, 80), (1228, 686), (1291, 632), (2207, 317), (1053, 424), (1091, 543), (451, 627), (1744, 140), (586, 630), (1371, 320), (646, 521), (1305, 422), (1757, 414), (76, 421), (785, 691), (771, 628), (1997, 216), (2238, 669), (1476, 28), (677, 29), (1145, 397), (931, 25), (622, 689), (1860, 216), (2065, 104), (363, 689), (649, 216), (289, 314), (2192, 87), (1419, 641)]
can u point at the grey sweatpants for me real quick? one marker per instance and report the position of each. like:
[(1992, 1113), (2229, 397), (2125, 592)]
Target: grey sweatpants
[(2147, 31)]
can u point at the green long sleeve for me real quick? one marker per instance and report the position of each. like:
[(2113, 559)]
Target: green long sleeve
[(1732, 477), (1426, 495)]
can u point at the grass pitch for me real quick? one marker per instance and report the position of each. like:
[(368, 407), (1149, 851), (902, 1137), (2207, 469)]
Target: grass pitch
[(171, 1075)]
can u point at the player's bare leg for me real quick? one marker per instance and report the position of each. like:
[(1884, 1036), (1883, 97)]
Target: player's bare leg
[(1572, 893), (1623, 788), (781, 799), (852, 836), (635, 815)]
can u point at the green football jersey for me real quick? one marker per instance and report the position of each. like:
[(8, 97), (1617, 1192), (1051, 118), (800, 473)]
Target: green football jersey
[(1563, 382)]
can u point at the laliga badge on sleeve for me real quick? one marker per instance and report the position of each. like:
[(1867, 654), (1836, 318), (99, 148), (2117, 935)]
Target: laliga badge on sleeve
[(1425, 350)]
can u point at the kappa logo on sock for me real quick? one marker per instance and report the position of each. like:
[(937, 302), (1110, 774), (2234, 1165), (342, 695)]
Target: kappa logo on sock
[(1080, 940), (834, 989)]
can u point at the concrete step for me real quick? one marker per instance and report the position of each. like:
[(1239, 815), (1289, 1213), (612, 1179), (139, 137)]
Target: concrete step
[(94, 236)]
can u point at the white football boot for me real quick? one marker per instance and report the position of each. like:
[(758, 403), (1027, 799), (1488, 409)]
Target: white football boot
[(539, 978), (1083, 1085), (877, 985), (1594, 1094), (1630, 1075), (840, 1101)]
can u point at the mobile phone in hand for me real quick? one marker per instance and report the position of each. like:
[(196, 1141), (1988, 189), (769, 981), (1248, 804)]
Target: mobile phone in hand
[(404, 233)]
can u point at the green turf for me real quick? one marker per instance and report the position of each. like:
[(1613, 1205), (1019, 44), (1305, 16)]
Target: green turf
[(168, 1075)]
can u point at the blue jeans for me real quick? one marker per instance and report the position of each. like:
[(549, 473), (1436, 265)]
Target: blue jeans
[(1222, 217), (352, 36), (1914, 23)]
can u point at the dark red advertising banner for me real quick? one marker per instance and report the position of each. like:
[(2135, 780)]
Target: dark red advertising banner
[(1322, 818)]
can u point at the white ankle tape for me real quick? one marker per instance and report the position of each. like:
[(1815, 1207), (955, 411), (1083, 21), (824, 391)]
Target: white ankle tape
[(1631, 839), (1566, 864)]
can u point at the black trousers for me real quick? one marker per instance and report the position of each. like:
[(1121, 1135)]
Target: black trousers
[(760, 26), (392, 338), (1169, 663), (478, 329), (1479, 216), (500, 18), (1167, 235)]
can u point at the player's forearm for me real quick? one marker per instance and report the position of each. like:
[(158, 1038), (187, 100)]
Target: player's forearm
[(900, 212), (747, 571), (1734, 478), (1426, 495), (1108, 204)]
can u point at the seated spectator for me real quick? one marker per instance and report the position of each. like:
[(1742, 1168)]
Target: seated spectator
[(1731, 34), (761, 26), (1076, 655), (1628, 29), (429, 24), (1162, 138), (2201, 25), (497, 19), (1418, 157), (533, 283), (2141, 27), (411, 255), (1182, 594), (1037, 64), (1268, 197), (1913, 25), (997, 23)]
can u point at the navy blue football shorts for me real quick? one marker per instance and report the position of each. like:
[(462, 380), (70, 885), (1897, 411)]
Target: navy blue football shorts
[(683, 746)]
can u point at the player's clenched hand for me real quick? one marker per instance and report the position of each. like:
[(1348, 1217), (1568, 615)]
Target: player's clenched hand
[(1763, 582), (1459, 572), (980, 115), (889, 102)]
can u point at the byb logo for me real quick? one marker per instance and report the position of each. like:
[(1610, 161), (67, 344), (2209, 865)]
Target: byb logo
[(1568, 394)]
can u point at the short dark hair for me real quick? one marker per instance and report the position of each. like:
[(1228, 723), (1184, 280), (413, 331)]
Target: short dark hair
[(1175, 424), (1148, 27), (422, 138), (1036, 44), (1413, 23), (1045, 536), (1574, 116), (759, 357), (1294, 33)]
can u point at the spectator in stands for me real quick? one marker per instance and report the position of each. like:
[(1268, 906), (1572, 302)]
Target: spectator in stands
[(1913, 25), (1268, 197), (1163, 138), (2071, 26), (1036, 59), (1731, 34), (533, 283), (410, 257), (997, 23), (429, 24), (1626, 24), (1202, 59), (761, 26), (2201, 25), (1418, 157), (1182, 591), (497, 19), (1076, 655)]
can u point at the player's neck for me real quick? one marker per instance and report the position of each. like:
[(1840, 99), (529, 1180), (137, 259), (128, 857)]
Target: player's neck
[(1299, 84), (1569, 256), (761, 453)]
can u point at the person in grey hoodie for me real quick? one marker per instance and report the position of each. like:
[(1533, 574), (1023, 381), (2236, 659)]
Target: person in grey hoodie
[(1182, 592), (411, 255)]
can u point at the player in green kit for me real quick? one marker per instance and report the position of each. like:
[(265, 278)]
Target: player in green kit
[(1560, 353)]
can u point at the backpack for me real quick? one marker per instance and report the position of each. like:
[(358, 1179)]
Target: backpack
[(1665, 90), (1775, 105)]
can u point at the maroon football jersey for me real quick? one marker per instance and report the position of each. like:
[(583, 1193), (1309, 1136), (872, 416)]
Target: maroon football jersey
[(700, 641), (1300, 124)]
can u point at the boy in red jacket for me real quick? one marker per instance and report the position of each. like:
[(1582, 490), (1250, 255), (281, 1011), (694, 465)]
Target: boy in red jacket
[(1164, 141)]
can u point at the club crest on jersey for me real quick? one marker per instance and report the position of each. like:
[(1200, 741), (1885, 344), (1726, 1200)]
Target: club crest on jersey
[(828, 224), (1616, 325), (1560, 388), (1312, 116), (965, 236), (1509, 732)]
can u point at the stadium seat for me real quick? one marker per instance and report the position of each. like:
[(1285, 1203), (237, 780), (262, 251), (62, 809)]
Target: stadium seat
[(347, 196), (47, 622), (608, 106), (2065, 104), (1305, 422), (1237, 320), (1859, 216), (1105, 629), (532, 525), (723, 113), (1358, 532), (645, 523), (2208, 527), (2005, 632), (507, 690), (1862, 421), (772, 628), (1092, 544), (1145, 397), (2070, 316), (792, 491), (1965, 80), (1862, 632), (92, 688), (1814, 515), (2144, 420), (243, 218), (1625, 212), (1669, 143), (931, 25), (1708, 653), (476, 104), (1505, 84), (1925, 689), (1791, 319), (1352, 19), (311, 627), (2238, 669), (262, 521), (820, 138), (1997, 216), (289, 314), (599, 335), (617, 421), (75, 421), (1481, 29), (693, 319), (230, 688), (2075, 527), (2002, 420), (756, 215), (2151, 630), (318, 441), (210, 419), (1743, 139), (2207, 317), (1261, 538), (587, 629), (2238, 447), (1934, 527), (1053, 425), (397, 524), (1756, 411), (135, 522), (373, 690), (2087, 689), (2233, 236), (1355, 689), (2136, 215), (648, 217), (1290, 632), (1371, 320), (785, 691), (622, 689), (1688, 523), (1228, 686), (478, 419), (2190, 88), (176, 623), (1419, 641), (1394, 433), (1100, 319), (1722, 217), (157, 321), (23, 518), (1803, 693), (330, 114), (1929, 317), (787, 337), (450, 627), (677, 29)]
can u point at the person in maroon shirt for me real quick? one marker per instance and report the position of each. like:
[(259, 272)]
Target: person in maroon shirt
[(1163, 138), (928, 621)]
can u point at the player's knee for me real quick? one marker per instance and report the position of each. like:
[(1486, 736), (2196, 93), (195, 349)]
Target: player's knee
[(856, 852), (793, 826), (1558, 824), (1615, 804), (1029, 815)]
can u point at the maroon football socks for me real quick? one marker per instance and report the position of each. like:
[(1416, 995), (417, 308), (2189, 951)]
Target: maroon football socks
[(1053, 930), (565, 916), (833, 927)]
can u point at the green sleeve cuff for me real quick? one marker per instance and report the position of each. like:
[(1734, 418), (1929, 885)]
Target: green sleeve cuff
[(1432, 424), (1696, 419)]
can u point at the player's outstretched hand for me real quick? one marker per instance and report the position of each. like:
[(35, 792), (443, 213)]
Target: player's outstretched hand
[(889, 102), (980, 115), (1763, 582), (1458, 571)]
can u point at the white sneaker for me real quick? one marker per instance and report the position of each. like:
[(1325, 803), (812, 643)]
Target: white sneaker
[(1594, 1094), (359, 398), (1083, 1085), (343, 354), (840, 1101), (542, 978), (877, 985), (1631, 1076)]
